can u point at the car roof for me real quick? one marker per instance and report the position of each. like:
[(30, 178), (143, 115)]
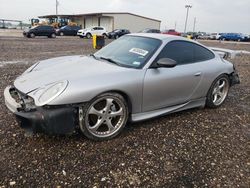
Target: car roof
[(167, 38), (159, 36)]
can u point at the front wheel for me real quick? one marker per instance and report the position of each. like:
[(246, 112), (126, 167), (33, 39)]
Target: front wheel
[(218, 92), (104, 117), (32, 35), (105, 35), (88, 35)]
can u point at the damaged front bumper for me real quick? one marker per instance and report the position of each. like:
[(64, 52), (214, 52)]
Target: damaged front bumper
[(47, 119)]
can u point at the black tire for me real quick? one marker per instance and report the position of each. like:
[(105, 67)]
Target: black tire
[(210, 95), (85, 116), (61, 33), (105, 35), (88, 35)]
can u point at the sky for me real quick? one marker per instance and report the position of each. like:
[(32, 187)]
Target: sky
[(211, 15)]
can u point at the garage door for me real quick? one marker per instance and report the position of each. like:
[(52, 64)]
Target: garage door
[(90, 22), (107, 23)]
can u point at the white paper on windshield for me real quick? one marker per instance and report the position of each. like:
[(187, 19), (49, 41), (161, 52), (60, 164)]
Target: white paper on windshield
[(139, 51), (136, 63)]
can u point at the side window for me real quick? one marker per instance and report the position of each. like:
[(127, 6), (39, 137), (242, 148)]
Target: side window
[(184, 52), (47, 28), (180, 51), (202, 54)]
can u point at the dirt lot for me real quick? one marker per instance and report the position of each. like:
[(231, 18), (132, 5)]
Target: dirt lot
[(195, 148)]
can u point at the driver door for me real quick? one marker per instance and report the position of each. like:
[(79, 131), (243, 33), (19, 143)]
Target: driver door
[(165, 87)]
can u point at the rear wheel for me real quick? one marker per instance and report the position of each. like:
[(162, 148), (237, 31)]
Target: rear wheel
[(104, 117), (61, 33), (53, 35), (218, 92)]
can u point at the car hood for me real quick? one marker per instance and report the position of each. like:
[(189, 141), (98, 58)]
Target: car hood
[(82, 30), (68, 68)]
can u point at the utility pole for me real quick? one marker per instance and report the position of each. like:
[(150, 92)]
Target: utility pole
[(187, 7), (57, 3), (175, 24), (194, 24)]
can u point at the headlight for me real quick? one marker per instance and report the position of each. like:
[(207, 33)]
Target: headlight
[(48, 93)]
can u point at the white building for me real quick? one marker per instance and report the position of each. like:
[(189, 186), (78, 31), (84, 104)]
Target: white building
[(112, 20)]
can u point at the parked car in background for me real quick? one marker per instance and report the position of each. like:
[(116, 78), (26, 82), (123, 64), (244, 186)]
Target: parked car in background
[(118, 33), (42, 30), (214, 36), (190, 35), (89, 32), (233, 37), (203, 36), (150, 31), (136, 77), (171, 32), (68, 30)]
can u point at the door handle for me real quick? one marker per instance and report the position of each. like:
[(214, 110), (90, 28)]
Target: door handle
[(197, 74)]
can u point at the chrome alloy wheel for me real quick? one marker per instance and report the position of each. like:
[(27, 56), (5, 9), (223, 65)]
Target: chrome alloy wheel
[(104, 117), (220, 91)]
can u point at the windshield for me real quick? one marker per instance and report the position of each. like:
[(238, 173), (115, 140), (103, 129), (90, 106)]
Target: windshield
[(129, 51)]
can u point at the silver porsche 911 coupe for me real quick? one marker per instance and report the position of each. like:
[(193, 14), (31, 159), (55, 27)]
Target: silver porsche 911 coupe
[(136, 77)]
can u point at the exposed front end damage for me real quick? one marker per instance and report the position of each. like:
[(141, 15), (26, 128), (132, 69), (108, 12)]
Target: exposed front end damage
[(46, 119)]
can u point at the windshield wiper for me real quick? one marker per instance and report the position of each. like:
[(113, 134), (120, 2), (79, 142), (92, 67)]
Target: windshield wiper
[(110, 60)]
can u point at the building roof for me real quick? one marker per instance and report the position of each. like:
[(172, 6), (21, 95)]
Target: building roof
[(94, 14)]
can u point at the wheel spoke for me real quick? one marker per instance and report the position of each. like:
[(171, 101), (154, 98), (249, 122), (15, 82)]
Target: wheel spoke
[(109, 103), (95, 112), (97, 125), (215, 98), (220, 94), (110, 126), (222, 85), (214, 91), (117, 113)]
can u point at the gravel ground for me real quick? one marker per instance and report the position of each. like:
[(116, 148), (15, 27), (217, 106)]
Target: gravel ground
[(195, 148)]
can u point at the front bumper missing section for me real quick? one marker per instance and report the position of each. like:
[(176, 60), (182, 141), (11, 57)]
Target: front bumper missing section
[(49, 120)]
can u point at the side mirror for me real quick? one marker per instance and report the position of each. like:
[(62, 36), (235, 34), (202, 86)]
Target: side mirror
[(166, 62)]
